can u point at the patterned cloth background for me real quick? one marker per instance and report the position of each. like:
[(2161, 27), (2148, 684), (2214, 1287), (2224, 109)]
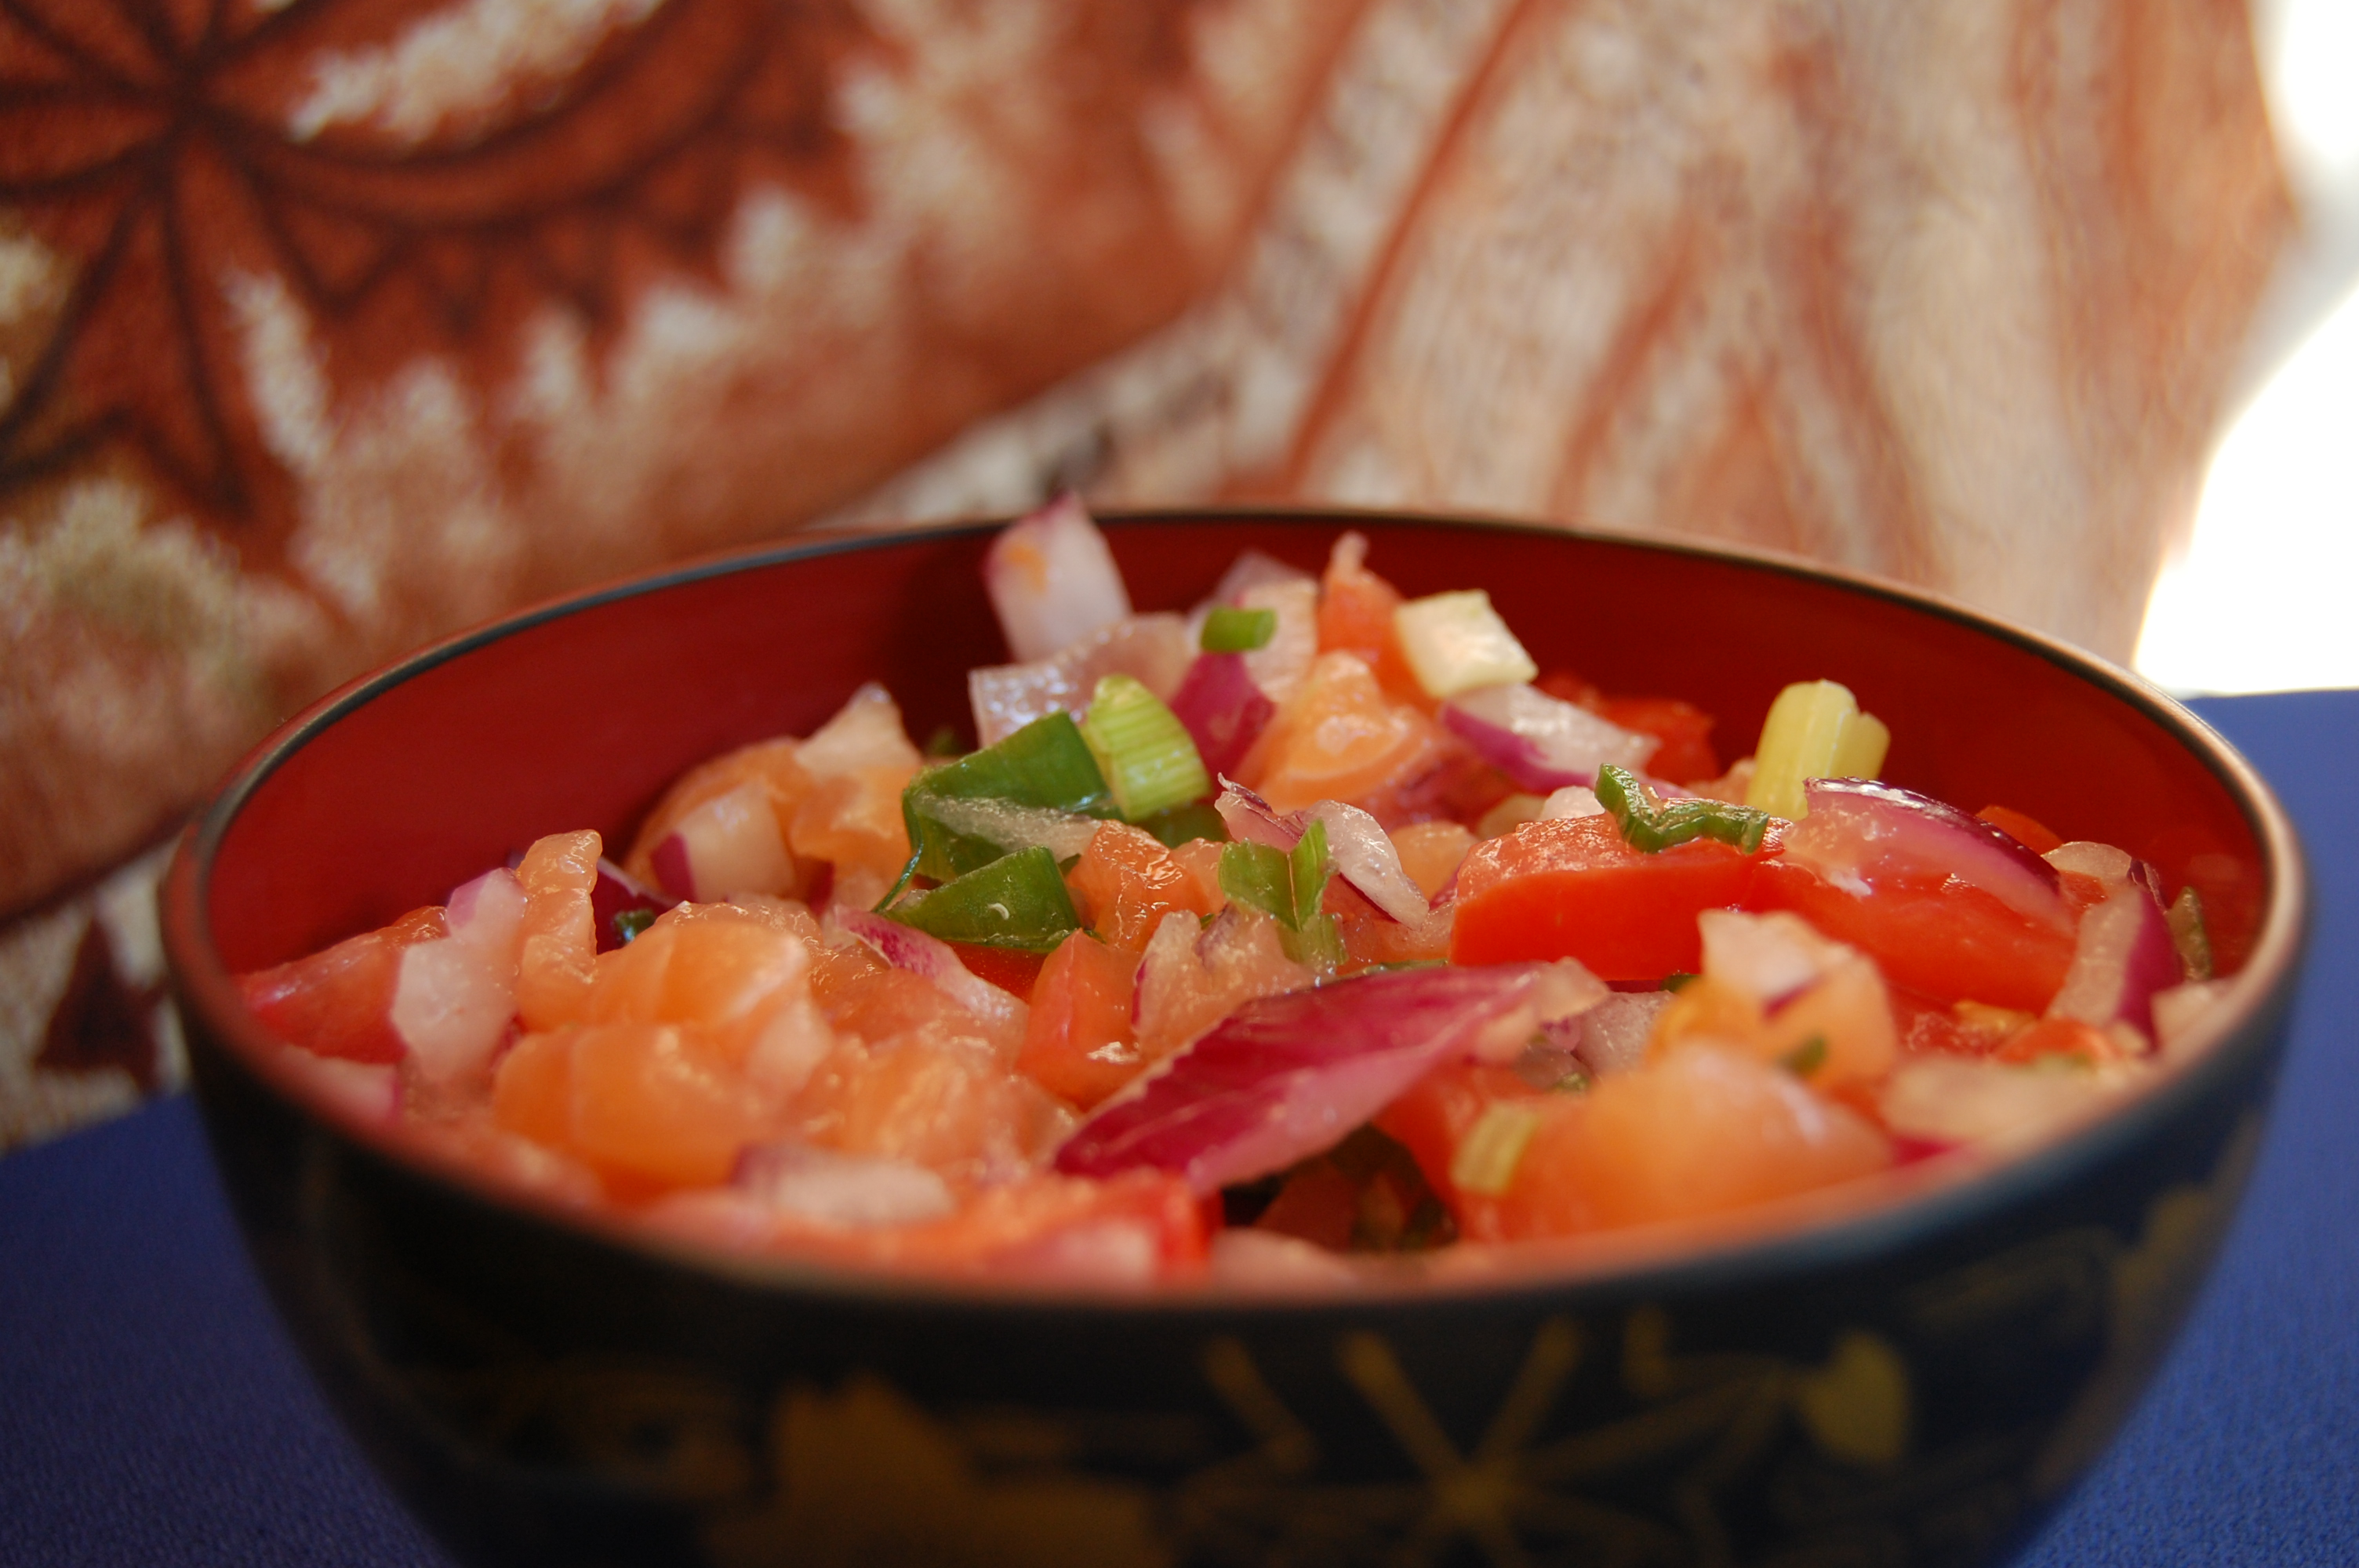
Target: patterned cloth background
[(329, 326)]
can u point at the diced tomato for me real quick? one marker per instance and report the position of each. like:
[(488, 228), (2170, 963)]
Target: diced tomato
[(1947, 940), (1435, 1116), (2027, 831), (1574, 888), (1011, 970), (339, 1001), (1372, 936), (1685, 730), (1077, 1043), (1319, 1204), (1127, 881)]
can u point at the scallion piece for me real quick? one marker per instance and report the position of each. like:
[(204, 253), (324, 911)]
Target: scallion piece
[(1146, 755), (1805, 1059), (1260, 877), (629, 922), (1231, 631), (1654, 825), (1016, 901), (1287, 888), (1045, 764), (1197, 819), (2190, 934)]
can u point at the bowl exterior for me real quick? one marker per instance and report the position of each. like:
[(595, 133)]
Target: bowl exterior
[(1919, 1385)]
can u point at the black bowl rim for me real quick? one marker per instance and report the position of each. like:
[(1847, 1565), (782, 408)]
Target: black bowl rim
[(1795, 1237)]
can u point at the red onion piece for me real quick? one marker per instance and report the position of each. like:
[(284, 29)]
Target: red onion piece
[(1364, 857), (1052, 579), (1289, 1076), (1224, 712), (2123, 957), (731, 844), (1254, 820), (453, 995), (931, 958), (1541, 741), (1153, 649), (615, 891), (1859, 830)]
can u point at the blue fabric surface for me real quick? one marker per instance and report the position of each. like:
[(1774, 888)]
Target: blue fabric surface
[(152, 1413), (2246, 1448)]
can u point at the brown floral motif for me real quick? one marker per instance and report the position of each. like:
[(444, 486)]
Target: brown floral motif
[(102, 1021), (1519, 1496), (167, 150)]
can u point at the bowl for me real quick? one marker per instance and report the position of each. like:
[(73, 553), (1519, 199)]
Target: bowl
[(1912, 1370)]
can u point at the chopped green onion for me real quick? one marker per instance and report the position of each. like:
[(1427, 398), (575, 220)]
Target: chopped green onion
[(1677, 981), (900, 886), (1144, 752), (1287, 888), (1654, 825), (2190, 934), (1016, 901), (629, 922), (1197, 819), (1486, 1158), (1231, 631), (1310, 866), (1261, 877), (1046, 765), (1805, 1059)]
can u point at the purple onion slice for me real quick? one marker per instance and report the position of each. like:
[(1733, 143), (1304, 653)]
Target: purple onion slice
[(1289, 1076), (1364, 857), (1541, 741), (1052, 579), (1859, 831), (1253, 820), (1224, 712)]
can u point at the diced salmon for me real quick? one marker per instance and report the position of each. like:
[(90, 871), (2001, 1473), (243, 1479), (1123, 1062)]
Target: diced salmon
[(1127, 881), (339, 1001), (1078, 1043)]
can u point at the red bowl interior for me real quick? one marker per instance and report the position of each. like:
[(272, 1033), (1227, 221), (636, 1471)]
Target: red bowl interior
[(579, 715)]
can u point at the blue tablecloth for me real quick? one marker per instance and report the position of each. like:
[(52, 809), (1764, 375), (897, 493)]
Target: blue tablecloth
[(152, 1411)]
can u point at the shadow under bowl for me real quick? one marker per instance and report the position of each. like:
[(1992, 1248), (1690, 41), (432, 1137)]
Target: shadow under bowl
[(1907, 1370)]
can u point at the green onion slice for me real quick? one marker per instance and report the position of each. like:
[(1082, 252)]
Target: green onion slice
[(1046, 765), (1654, 825), (1016, 901), (1145, 754), (1232, 631)]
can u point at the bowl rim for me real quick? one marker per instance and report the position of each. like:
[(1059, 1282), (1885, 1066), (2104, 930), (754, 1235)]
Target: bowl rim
[(1845, 1225)]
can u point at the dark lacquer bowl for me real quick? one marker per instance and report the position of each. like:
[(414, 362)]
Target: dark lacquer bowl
[(1905, 1370)]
